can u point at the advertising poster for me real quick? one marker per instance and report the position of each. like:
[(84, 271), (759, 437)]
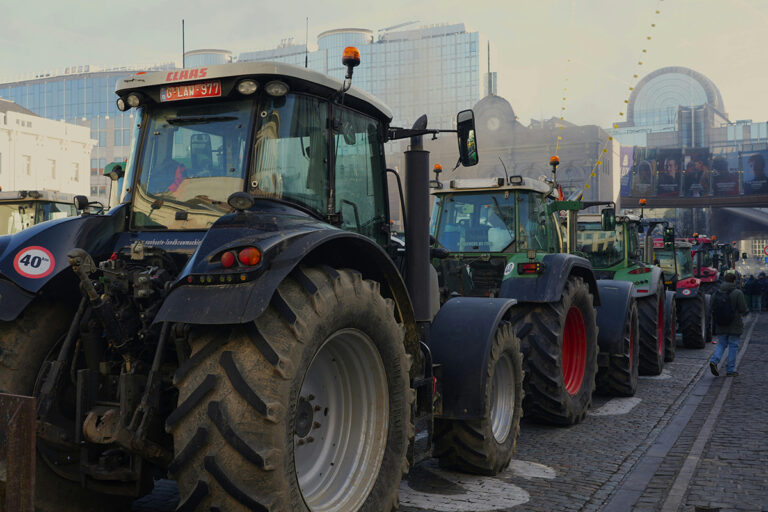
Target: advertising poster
[(626, 154), (725, 174), (753, 167), (696, 174), (644, 167), (668, 172)]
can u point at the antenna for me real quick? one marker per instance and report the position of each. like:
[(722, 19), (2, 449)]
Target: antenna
[(183, 51), (306, 45), (505, 168)]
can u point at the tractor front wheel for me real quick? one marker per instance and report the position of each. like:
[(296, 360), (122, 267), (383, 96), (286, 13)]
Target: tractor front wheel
[(651, 313), (305, 409), (485, 446), (693, 321)]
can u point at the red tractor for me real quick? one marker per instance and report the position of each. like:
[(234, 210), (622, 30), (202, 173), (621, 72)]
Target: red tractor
[(704, 252)]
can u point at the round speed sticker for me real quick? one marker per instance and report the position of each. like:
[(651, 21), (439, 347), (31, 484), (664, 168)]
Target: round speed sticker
[(34, 262)]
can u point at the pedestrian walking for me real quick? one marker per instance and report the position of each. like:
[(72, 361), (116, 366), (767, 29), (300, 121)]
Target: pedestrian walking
[(728, 306), (752, 291), (763, 285)]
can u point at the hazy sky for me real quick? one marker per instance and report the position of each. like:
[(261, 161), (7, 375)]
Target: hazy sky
[(534, 40)]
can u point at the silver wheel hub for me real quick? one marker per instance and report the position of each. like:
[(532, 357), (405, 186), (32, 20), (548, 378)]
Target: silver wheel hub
[(342, 421), (502, 399)]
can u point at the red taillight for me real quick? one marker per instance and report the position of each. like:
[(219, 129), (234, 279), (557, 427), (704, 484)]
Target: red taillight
[(529, 268), (227, 259), (249, 256), (641, 270)]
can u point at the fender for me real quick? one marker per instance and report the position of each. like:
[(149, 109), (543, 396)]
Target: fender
[(549, 286), (693, 293), (655, 280), (285, 240), (461, 338), (55, 238), (616, 298)]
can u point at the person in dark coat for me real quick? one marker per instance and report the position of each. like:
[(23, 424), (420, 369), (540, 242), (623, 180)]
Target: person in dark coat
[(752, 291), (729, 335), (763, 290)]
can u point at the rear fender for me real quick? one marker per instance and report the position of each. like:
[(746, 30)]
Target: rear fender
[(612, 314), (655, 280), (687, 293), (50, 241), (461, 338), (548, 287)]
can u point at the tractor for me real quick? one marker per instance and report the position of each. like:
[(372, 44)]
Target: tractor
[(705, 266), (502, 237), (693, 305), (615, 255), (25, 208), (240, 321)]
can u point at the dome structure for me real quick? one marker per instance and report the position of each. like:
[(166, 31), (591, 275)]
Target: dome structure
[(656, 98)]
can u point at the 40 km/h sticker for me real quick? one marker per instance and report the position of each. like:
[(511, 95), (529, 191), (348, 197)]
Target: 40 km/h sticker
[(34, 262)]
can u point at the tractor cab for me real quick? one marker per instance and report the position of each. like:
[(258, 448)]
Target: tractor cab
[(22, 209), (705, 260), (610, 250), (489, 226)]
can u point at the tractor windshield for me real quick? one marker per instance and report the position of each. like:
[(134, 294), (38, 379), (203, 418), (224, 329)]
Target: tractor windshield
[(192, 160), (602, 248), (667, 262), (476, 222)]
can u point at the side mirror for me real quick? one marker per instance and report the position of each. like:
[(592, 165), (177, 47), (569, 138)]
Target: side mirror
[(115, 170), (744, 255), (669, 235), (465, 128), (608, 219)]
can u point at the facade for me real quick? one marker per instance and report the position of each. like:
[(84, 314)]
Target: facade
[(83, 96), (42, 154)]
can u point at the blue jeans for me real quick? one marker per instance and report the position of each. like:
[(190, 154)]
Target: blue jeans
[(755, 302), (731, 342)]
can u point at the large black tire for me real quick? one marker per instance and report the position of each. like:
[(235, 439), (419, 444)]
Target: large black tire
[(651, 312), (670, 339), (551, 396), (485, 446), (249, 432), (24, 345), (620, 377), (693, 321), (710, 328)]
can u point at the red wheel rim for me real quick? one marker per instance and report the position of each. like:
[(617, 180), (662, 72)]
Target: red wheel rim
[(574, 351), (660, 329)]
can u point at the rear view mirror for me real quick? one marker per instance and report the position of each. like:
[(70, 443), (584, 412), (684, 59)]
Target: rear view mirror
[(465, 128), (669, 235), (744, 255), (608, 219), (115, 170)]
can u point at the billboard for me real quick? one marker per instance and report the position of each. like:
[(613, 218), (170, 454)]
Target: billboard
[(692, 172)]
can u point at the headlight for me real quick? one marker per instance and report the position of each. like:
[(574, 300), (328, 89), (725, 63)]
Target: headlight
[(133, 100), (276, 88), (247, 86)]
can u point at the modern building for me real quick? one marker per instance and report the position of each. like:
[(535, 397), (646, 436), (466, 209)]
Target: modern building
[(84, 96), (42, 154)]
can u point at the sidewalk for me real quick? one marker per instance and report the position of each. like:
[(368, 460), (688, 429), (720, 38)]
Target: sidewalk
[(718, 458)]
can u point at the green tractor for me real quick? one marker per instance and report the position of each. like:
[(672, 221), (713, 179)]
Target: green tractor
[(613, 250), (502, 237)]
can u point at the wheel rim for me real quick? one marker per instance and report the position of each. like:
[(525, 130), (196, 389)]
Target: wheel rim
[(660, 335), (342, 422), (574, 350), (503, 399)]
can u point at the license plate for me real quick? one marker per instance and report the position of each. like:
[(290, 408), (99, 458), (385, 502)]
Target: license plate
[(191, 91)]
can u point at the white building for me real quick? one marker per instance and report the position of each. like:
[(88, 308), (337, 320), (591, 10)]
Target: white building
[(42, 154)]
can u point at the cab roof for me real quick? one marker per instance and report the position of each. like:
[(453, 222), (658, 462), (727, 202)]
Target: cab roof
[(267, 70), (492, 184)]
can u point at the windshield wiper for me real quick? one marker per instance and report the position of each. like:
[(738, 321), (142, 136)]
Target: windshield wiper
[(200, 120)]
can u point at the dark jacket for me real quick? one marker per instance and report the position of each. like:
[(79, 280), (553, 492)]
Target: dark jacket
[(739, 307)]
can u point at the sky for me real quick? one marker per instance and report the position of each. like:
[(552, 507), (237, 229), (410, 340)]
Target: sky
[(580, 55)]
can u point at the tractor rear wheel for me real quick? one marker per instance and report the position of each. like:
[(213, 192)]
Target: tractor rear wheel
[(651, 313), (305, 408), (693, 321), (485, 446), (670, 340), (559, 342), (24, 345), (620, 377)]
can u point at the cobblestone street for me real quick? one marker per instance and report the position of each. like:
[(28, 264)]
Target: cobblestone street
[(663, 449)]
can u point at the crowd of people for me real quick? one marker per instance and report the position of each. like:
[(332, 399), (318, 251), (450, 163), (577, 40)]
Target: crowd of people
[(756, 291)]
